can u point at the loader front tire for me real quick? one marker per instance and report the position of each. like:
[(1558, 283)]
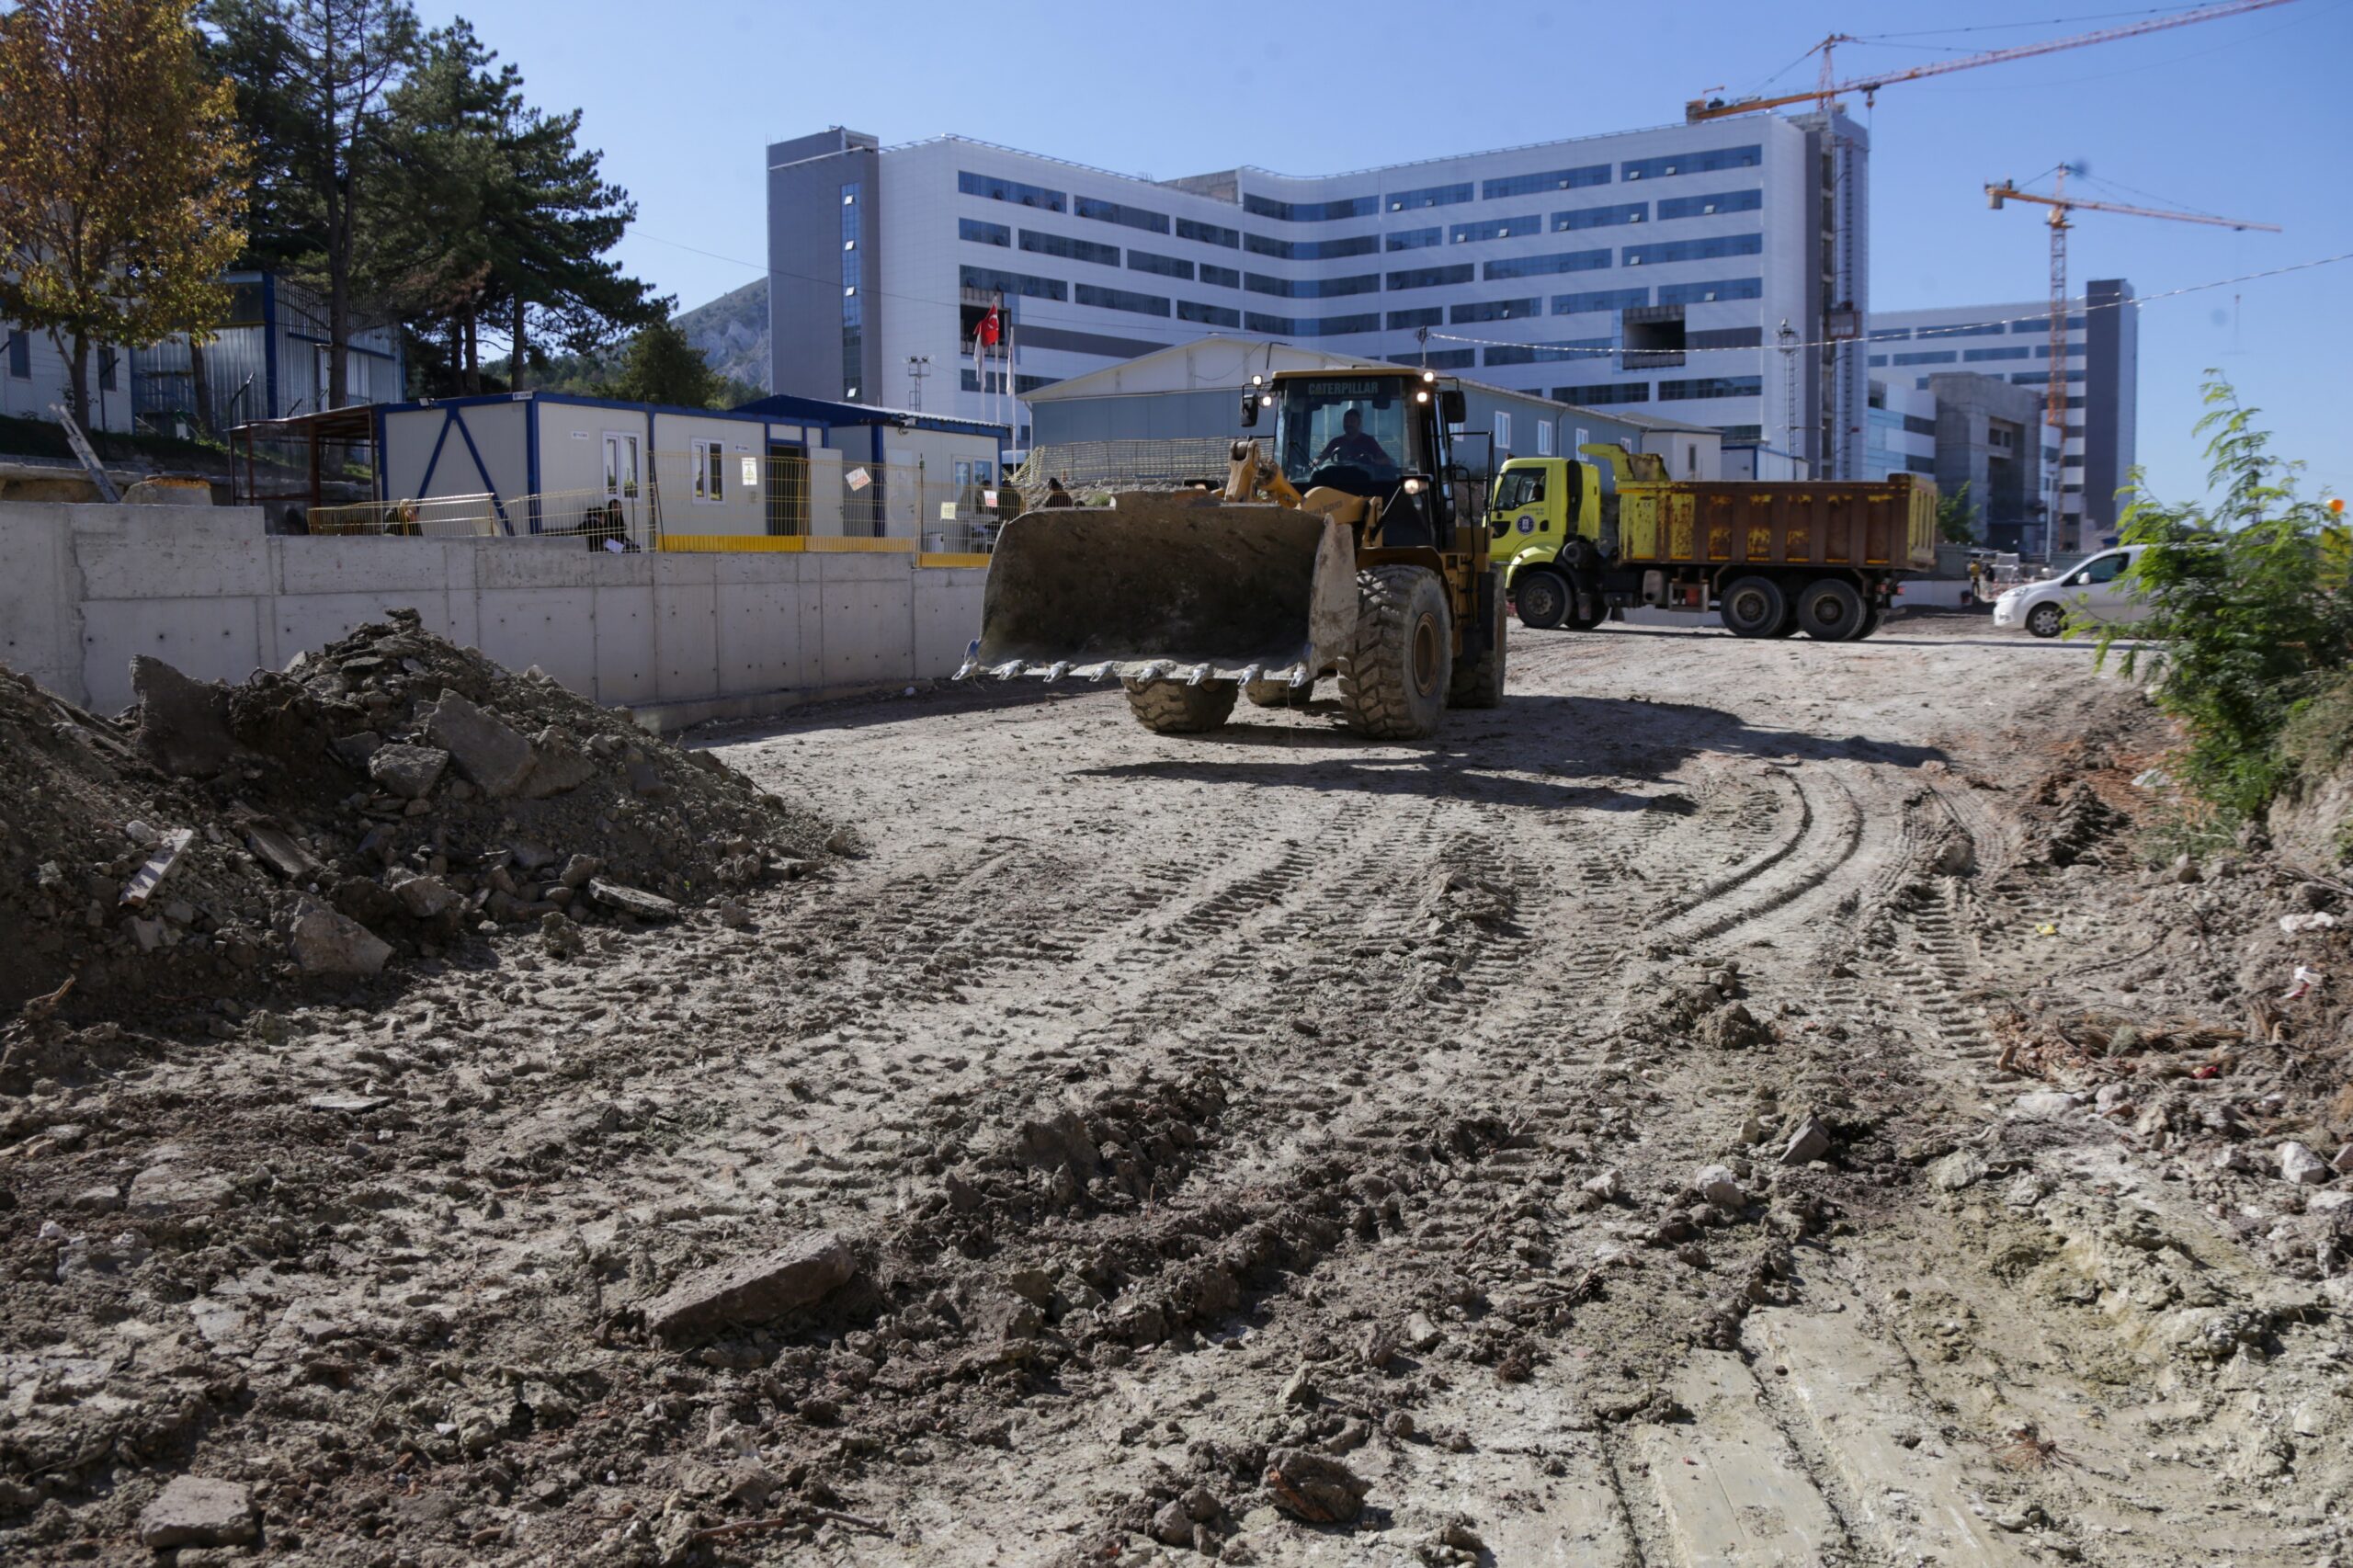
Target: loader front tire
[(1393, 683), (1278, 693), (1479, 682), (1172, 707)]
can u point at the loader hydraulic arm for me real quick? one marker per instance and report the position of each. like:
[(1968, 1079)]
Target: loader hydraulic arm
[(1252, 477)]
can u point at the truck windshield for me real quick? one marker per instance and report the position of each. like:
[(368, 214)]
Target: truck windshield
[(1344, 422), (1519, 487)]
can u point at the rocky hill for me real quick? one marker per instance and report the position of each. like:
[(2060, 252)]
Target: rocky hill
[(733, 333)]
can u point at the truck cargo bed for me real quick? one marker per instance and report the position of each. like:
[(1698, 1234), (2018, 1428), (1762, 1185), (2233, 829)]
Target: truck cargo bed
[(1888, 525)]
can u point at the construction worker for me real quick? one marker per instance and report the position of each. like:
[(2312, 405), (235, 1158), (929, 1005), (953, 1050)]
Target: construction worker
[(1056, 495), (1976, 578)]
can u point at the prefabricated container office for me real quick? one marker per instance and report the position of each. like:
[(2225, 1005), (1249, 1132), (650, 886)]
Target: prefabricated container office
[(557, 462)]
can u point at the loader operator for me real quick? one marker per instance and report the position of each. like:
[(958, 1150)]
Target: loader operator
[(1354, 446)]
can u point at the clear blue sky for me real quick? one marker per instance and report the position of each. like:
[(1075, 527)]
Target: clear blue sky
[(2244, 117)]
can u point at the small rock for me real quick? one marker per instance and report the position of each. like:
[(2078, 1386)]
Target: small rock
[(1808, 1142), (2344, 1160), (423, 897), (732, 914), (2298, 1163), (1315, 1487), (2043, 1104), (354, 750), (1961, 1168), (1719, 1187), (754, 1289), (196, 1510), (408, 771), (579, 870), (1605, 1187), (561, 937), (2185, 869), (1421, 1334), (1300, 1389)]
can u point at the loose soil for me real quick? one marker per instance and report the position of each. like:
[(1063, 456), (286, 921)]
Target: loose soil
[(1734, 1103)]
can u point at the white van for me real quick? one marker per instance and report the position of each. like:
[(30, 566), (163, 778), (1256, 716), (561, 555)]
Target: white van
[(2092, 593)]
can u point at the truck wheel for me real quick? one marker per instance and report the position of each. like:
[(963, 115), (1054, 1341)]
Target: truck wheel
[(1788, 627), (1172, 707), (1873, 614), (1831, 611), (1752, 606), (1479, 683), (1544, 599), (1586, 621), (1393, 682), (1278, 693)]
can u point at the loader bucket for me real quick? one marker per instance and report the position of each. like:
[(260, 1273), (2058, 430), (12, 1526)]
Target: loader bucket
[(1162, 587)]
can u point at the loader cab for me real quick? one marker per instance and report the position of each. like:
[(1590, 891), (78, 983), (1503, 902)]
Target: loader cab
[(1373, 435)]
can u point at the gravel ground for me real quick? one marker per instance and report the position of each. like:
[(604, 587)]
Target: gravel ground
[(1643, 1126)]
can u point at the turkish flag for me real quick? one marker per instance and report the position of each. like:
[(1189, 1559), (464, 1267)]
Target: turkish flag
[(990, 329)]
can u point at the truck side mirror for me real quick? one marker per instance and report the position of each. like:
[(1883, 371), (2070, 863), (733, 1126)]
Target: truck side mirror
[(1249, 410), (1450, 406)]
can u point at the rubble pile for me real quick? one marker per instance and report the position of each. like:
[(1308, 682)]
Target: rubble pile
[(383, 799)]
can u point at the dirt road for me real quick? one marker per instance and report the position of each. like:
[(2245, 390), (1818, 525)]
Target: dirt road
[(1587, 1130)]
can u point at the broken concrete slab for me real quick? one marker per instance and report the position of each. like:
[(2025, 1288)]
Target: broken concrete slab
[(278, 850), (632, 901), (1809, 1141), (489, 754), (424, 897), (144, 881), (198, 1510), (557, 766), (326, 942), (754, 1289), (407, 770), (183, 724)]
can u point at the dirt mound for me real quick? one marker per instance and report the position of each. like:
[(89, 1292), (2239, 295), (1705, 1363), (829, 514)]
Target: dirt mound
[(386, 798)]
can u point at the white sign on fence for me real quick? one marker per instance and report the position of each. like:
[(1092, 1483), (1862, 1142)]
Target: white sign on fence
[(947, 511), (857, 479), (988, 498)]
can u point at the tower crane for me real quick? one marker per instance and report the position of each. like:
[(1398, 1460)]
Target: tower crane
[(1829, 87), (2061, 204)]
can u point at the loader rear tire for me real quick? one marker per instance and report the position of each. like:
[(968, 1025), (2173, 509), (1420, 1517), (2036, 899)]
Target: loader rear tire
[(1393, 683), (1172, 707), (1278, 693), (1479, 683)]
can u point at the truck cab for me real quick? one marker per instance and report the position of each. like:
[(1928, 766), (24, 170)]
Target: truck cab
[(1553, 520)]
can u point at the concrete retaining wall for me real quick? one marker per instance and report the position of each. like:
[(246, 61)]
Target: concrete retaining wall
[(675, 638)]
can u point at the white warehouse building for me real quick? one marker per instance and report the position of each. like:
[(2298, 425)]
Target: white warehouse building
[(1647, 271)]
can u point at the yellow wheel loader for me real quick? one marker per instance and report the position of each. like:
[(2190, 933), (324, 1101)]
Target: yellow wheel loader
[(1359, 551)]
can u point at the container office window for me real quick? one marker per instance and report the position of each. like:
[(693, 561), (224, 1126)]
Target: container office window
[(1601, 299), (981, 233), (1165, 265), (1112, 213), (1503, 431), (1496, 310), (1415, 239), (1428, 196), (1225, 277), (1712, 386), (1012, 190), (1074, 250), (1550, 179), (1208, 316), (1701, 293), (1121, 300), (1692, 163), (1495, 229), (1704, 206), (710, 472), (1539, 265), (21, 354), (1208, 233), (1601, 216), (1601, 394), (1432, 277), (1543, 437), (1708, 249)]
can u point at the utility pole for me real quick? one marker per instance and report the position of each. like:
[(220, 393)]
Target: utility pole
[(918, 366)]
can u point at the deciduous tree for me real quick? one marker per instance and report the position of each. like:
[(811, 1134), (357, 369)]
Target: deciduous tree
[(122, 184)]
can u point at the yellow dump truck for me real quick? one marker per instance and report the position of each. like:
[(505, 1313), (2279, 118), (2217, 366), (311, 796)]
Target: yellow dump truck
[(1579, 537)]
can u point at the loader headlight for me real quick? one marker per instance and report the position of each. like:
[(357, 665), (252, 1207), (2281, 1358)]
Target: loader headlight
[(1430, 375), (1422, 396)]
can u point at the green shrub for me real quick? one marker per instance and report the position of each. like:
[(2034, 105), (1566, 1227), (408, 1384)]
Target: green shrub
[(2249, 625)]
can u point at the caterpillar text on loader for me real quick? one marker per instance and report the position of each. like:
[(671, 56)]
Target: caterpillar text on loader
[(1359, 551)]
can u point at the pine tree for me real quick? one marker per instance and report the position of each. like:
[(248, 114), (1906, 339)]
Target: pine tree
[(661, 366), (121, 190)]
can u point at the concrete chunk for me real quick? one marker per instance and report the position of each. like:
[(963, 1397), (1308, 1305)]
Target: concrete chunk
[(558, 765), (632, 901), (753, 1290), (1809, 1142), (408, 771), (198, 1510), (183, 724), (326, 942), (489, 753)]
